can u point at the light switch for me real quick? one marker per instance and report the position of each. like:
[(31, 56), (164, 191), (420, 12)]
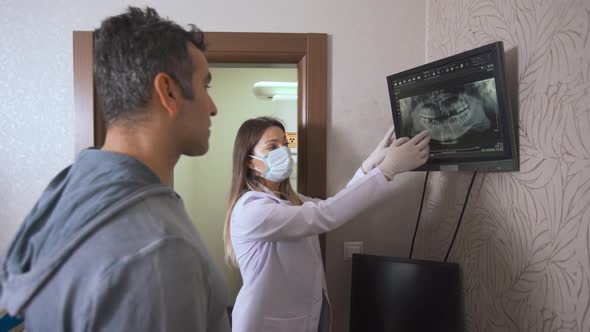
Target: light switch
[(352, 248)]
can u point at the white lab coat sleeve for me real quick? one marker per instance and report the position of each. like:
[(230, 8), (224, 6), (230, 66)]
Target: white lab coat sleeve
[(359, 174), (262, 218)]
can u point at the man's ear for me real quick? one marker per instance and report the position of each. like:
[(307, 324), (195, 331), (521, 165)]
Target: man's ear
[(167, 93)]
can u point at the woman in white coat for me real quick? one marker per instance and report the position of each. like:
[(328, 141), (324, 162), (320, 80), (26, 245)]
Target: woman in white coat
[(271, 232)]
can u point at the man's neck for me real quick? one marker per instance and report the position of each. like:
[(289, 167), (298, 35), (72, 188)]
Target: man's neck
[(151, 150)]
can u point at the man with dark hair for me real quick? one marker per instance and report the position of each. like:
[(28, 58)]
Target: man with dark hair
[(109, 245)]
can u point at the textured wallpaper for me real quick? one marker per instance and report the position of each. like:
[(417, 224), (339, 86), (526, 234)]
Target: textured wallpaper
[(524, 241)]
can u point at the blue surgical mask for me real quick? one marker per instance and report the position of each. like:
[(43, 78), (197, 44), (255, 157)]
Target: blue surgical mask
[(279, 164)]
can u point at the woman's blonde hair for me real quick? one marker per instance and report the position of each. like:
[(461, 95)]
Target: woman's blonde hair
[(245, 179)]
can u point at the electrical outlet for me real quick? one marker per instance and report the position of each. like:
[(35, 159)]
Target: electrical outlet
[(352, 248)]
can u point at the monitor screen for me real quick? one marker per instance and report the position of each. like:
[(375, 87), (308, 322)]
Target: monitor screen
[(396, 294), (461, 100)]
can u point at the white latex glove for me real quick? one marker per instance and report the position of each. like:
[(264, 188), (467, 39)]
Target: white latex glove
[(377, 156), (405, 154)]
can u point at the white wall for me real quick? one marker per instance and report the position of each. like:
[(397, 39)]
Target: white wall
[(367, 41)]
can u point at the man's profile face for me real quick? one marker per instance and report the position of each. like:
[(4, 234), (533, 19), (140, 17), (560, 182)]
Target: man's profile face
[(194, 115)]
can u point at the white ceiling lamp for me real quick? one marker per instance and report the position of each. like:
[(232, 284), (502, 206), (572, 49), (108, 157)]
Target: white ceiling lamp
[(270, 89)]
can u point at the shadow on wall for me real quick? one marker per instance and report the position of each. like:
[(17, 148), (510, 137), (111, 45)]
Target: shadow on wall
[(511, 71)]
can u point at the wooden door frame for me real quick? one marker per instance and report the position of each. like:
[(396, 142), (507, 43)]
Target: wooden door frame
[(307, 50)]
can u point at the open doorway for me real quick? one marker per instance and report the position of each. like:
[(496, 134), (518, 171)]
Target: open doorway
[(240, 92)]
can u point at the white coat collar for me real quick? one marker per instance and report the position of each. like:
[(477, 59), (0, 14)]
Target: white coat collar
[(265, 191)]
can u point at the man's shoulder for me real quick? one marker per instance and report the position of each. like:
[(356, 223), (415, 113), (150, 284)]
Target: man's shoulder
[(170, 253), (140, 228)]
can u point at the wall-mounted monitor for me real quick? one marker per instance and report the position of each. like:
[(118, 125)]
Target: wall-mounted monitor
[(462, 101), (396, 294)]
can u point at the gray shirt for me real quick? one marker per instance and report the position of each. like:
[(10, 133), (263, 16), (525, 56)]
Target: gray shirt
[(108, 247)]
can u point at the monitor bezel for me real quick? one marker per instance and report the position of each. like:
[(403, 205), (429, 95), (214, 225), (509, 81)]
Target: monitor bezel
[(510, 160), (403, 260)]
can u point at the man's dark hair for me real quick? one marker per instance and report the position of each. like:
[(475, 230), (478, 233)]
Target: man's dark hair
[(130, 50)]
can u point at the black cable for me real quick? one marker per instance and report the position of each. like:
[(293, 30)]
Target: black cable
[(419, 213), (461, 215)]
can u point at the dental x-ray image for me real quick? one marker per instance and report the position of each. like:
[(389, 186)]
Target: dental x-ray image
[(457, 117)]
